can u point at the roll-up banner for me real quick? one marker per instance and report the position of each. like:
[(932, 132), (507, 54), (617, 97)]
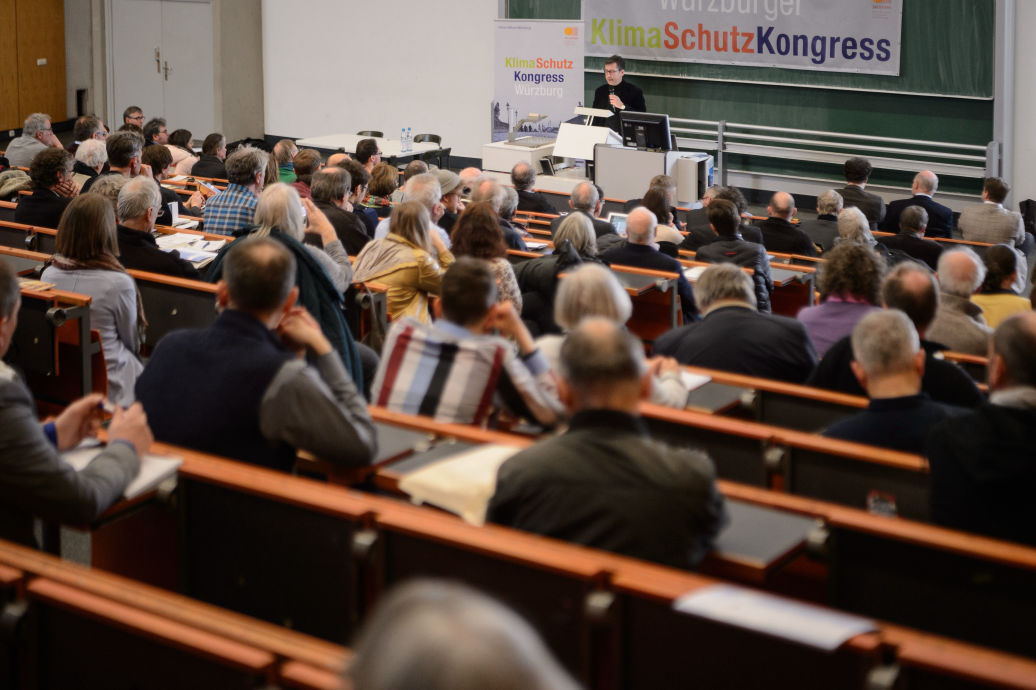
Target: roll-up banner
[(831, 35), (539, 70)]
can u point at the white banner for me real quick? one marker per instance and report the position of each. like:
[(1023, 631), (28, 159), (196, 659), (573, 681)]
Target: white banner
[(538, 69), (832, 35)]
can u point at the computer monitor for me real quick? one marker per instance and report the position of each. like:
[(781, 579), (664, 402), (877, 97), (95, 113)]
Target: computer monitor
[(645, 130)]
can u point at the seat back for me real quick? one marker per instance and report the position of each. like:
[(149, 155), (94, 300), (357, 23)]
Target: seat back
[(370, 133)]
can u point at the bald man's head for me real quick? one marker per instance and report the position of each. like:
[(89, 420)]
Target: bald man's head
[(335, 158), (925, 182), (640, 226), (960, 272), (782, 205)]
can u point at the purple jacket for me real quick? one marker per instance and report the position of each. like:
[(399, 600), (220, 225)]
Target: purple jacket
[(831, 321)]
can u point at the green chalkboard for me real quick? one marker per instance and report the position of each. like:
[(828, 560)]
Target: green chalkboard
[(947, 49)]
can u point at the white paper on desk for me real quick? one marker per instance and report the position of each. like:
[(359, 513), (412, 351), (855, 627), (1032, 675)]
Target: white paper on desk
[(186, 224), (462, 483), (535, 244), (174, 211), (175, 240), (693, 272), (153, 468), (765, 613), (693, 381)]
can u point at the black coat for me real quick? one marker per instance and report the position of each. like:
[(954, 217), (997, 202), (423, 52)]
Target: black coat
[(743, 341), (940, 218)]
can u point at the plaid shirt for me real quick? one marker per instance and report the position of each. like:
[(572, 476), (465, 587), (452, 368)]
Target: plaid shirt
[(230, 210), (445, 371)]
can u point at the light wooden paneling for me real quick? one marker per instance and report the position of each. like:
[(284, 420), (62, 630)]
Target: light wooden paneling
[(41, 35), (10, 115)]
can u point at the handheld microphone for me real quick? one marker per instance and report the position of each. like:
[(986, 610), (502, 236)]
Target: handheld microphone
[(611, 92)]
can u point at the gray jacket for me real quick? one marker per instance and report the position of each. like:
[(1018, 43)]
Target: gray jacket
[(991, 223), (36, 482), (960, 326)]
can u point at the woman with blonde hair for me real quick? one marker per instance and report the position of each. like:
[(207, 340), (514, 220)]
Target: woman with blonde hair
[(410, 260), (592, 290), (86, 261)]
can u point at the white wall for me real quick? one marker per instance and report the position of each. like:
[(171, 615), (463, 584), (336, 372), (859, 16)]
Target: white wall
[(78, 54), (409, 63), (1023, 178)]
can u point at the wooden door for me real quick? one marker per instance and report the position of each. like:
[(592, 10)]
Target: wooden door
[(41, 58), (10, 116)]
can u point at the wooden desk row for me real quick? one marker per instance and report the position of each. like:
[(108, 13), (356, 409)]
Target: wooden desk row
[(68, 626), (289, 549)]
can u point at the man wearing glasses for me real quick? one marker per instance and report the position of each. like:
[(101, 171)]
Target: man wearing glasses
[(617, 95), (368, 153), (133, 115), (37, 136)]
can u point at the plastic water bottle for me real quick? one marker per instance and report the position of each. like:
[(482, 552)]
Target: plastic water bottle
[(409, 140), (402, 140)]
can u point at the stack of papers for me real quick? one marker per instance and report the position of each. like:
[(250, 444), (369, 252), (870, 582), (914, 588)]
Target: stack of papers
[(694, 272), (461, 484), (193, 248), (153, 468)]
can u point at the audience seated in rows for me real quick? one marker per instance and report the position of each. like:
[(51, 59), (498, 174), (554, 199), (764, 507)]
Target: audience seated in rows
[(52, 189), (997, 296), (181, 148), (639, 251), (850, 285), (426, 190), (959, 324), (446, 636), (252, 396), (133, 115), (233, 209), (488, 190), (86, 127), (779, 235), (360, 178), (414, 167), (213, 153), (474, 371), (283, 154), (124, 158), (730, 247), (452, 198), (384, 181), (138, 208), (574, 244), (91, 157), (593, 290), (584, 199), (86, 261), (37, 135), (667, 187), (306, 163), (523, 177), (991, 223), (912, 289), (157, 158), (330, 188), (35, 482), (604, 483), (368, 154), (889, 363), (477, 235), (733, 336), (913, 224), (156, 132), (981, 464), (410, 259), (278, 215), (696, 222), (507, 209), (823, 230), (940, 218), (659, 202), (857, 173)]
